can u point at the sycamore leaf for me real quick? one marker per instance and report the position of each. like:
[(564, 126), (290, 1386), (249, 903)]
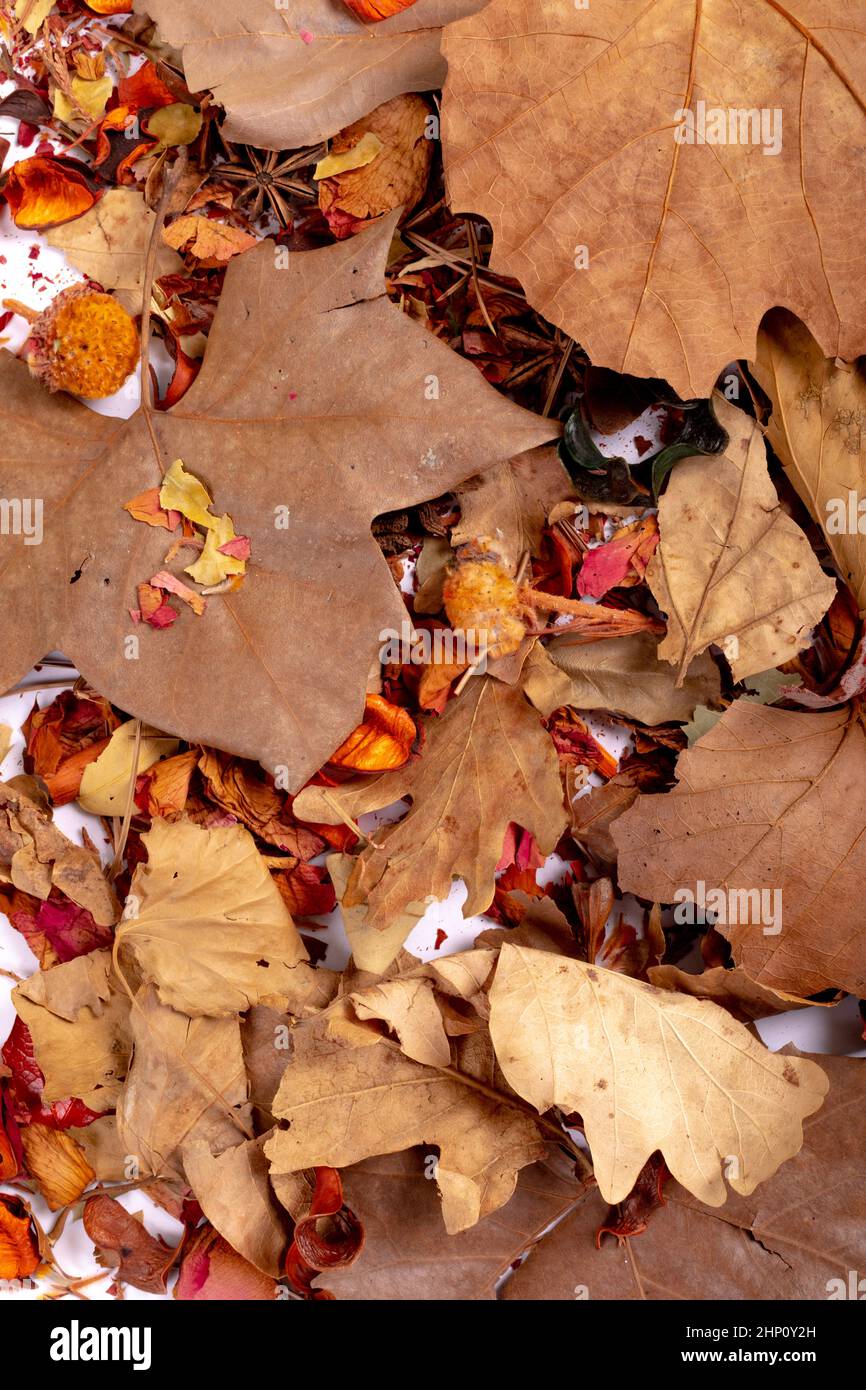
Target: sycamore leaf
[(294, 74), (408, 1255), (648, 1070), (187, 1082), (206, 923), (486, 762), (371, 949), (732, 567), (622, 674), (105, 783), (768, 813), (109, 244), (643, 157), (345, 1104), (407, 1008), (816, 428), (798, 1237), (259, 427)]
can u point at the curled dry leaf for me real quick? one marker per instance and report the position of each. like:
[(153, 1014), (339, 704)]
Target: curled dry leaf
[(486, 762), (686, 268), (311, 572), (206, 923), (296, 77), (44, 192), (19, 1249), (397, 175), (382, 741), (816, 429), (648, 1070), (57, 1164), (732, 568), (124, 1244), (767, 812)]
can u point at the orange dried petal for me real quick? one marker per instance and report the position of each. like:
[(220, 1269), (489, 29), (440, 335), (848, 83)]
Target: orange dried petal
[(45, 192), (381, 742), (109, 6), (57, 1164), (144, 90), (19, 1252), (375, 10)]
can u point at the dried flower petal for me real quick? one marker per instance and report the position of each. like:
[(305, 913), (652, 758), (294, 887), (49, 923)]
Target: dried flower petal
[(382, 741), (44, 191)]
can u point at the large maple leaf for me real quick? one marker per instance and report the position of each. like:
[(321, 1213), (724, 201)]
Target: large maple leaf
[(319, 404), (563, 125), (295, 73)]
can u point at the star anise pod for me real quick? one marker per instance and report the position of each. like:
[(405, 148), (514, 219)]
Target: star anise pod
[(264, 177)]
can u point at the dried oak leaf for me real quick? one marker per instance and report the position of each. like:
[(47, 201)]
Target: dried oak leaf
[(732, 989), (295, 75), (620, 673), (732, 567), (206, 924), (260, 426), (816, 428), (768, 801), (798, 1236), (486, 762), (648, 1070), (565, 127), (124, 1244), (345, 1104), (408, 1255)]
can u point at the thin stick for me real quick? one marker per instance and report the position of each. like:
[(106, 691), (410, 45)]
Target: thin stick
[(120, 843), (346, 819)]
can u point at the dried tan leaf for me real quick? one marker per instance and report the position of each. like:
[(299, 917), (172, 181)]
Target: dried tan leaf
[(622, 674), (206, 923), (234, 1192), (768, 802), (816, 428), (294, 75), (798, 1237), (564, 125), (79, 1020), (39, 857), (511, 503), (187, 1082), (486, 762), (732, 568), (109, 244), (267, 379), (648, 1070), (345, 1104)]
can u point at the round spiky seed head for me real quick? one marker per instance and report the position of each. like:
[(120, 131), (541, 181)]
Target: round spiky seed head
[(84, 343)]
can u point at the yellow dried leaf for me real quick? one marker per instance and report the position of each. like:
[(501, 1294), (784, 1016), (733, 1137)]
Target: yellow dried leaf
[(357, 157), (92, 94), (182, 492), (211, 567), (33, 13), (105, 783)]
